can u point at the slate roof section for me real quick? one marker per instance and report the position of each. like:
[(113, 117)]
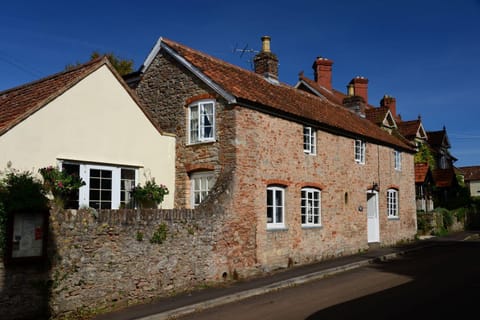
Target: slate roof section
[(470, 173), (17, 104), (443, 178), (437, 138), (251, 89)]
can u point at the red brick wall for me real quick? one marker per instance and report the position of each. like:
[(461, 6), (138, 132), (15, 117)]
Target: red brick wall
[(271, 149)]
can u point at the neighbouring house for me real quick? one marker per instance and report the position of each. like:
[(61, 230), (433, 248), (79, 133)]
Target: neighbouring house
[(385, 116), (424, 187), (87, 121), (444, 176), (471, 177), (297, 177)]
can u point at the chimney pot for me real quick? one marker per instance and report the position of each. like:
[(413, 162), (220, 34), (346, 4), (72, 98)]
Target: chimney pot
[(266, 44), (265, 62)]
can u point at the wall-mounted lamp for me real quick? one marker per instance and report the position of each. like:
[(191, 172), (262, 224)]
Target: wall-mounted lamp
[(375, 186)]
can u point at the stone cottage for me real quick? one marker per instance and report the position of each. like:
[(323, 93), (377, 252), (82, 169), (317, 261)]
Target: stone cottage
[(297, 177)]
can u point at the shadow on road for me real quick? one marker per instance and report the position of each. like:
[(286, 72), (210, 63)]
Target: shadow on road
[(448, 287)]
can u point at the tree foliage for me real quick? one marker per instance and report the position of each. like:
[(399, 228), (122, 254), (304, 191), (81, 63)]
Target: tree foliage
[(123, 66), (424, 155)]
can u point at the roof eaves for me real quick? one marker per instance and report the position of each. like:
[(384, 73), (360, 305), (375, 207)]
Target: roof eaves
[(323, 126), (151, 55), (209, 82)]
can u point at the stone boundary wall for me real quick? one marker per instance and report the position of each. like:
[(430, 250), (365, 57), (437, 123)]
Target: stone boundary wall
[(100, 261)]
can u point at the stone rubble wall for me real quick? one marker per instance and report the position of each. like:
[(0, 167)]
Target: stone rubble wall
[(100, 261)]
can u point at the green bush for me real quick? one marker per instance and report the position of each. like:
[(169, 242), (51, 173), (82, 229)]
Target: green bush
[(19, 192), (22, 192), (149, 195), (160, 234)]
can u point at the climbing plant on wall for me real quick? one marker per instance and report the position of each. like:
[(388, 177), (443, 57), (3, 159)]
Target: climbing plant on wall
[(425, 155)]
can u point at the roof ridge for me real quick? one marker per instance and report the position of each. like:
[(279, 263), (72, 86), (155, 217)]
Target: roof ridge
[(226, 63), (57, 74)]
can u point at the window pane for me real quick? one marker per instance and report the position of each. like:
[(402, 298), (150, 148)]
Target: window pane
[(279, 215), (106, 195), (94, 183), (106, 183), (100, 188), (278, 198), (94, 195), (128, 174), (269, 214), (127, 183), (194, 124)]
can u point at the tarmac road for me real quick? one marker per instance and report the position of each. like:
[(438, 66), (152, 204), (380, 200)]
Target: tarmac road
[(440, 282)]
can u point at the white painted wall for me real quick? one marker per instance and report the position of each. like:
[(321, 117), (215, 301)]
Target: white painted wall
[(94, 121)]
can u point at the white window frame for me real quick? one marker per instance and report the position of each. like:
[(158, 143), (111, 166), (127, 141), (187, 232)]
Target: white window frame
[(309, 140), (84, 191), (309, 209), (397, 158), (200, 184), (359, 151), (198, 134), (275, 205), (392, 203)]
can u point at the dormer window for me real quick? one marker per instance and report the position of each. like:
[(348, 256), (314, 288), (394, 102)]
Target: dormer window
[(202, 121), (360, 151), (309, 140)]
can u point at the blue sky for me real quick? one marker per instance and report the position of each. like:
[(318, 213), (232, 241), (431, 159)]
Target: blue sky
[(424, 53)]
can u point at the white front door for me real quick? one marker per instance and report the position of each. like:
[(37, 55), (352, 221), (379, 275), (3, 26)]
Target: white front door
[(373, 223)]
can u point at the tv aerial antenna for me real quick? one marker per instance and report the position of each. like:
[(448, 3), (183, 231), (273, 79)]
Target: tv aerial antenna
[(246, 51)]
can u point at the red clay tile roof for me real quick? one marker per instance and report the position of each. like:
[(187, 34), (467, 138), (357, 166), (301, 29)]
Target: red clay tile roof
[(470, 173), (18, 103), (421, 171), (334, 95), (376, 115), (409, 129), (253, 88)]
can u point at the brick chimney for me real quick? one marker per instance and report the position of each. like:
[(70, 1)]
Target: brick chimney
[(265, 62), (360, 87), (322, 71), (389, 102)]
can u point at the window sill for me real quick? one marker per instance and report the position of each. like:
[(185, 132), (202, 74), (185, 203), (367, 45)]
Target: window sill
[(279, 228), (311, 227), (393, 218), (200, 143)]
